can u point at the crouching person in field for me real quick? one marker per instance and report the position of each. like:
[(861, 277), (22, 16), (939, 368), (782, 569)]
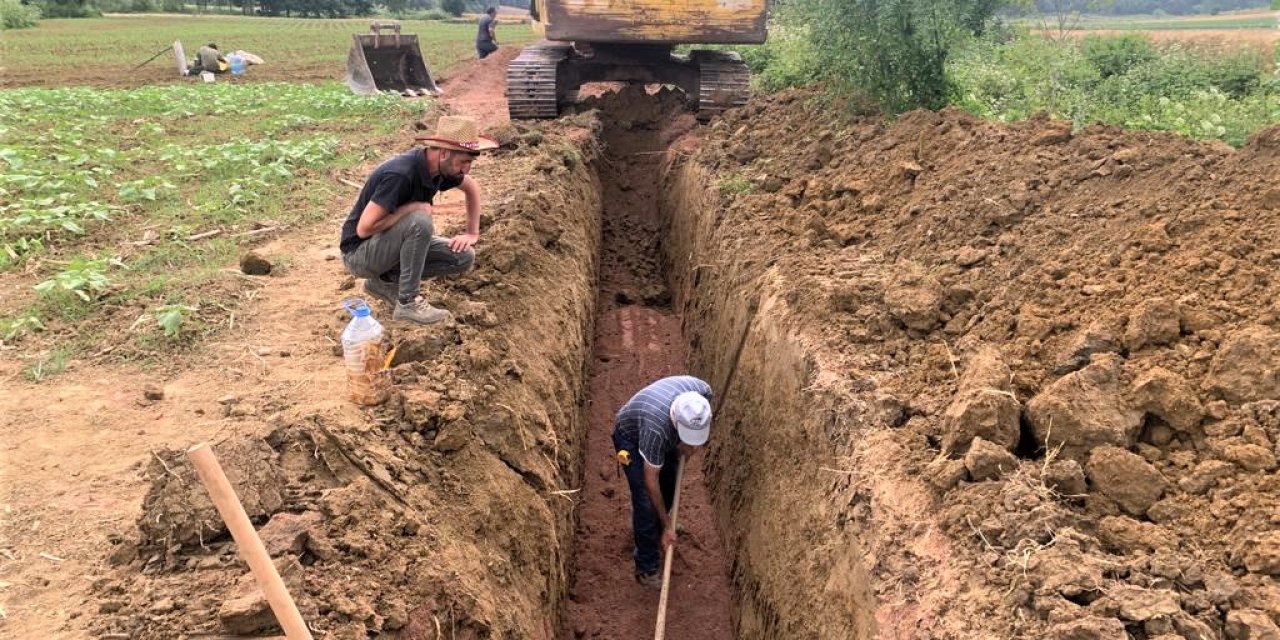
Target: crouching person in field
[(389, 238)]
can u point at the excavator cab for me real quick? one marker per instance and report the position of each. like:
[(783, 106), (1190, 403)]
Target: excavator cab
[(380, 62), (633, 41)]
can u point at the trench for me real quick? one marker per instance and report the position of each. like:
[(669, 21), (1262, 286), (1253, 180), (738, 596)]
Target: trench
[(638, 339)]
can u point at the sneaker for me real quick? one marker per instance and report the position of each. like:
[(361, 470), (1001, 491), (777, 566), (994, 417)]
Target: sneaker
[(650, 580), (420, 311), (384, 291)]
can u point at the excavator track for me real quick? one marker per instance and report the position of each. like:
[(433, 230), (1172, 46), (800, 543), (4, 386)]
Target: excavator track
[(724, 82), (531, 82)]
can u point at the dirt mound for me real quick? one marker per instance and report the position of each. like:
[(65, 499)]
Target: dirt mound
[(438, 514), (950, 294)]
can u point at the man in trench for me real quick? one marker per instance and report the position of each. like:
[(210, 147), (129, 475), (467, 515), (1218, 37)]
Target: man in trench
[(389, 237), (654, 432)]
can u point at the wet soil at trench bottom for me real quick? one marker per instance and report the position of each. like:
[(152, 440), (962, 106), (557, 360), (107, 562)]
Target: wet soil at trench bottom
[(637, 340)]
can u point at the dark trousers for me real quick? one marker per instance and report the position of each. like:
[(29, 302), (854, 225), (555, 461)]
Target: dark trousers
[(406, 254), (483, 49), (645, 523)]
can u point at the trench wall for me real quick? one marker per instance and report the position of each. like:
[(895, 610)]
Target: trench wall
[(444, 512), (782, 499)]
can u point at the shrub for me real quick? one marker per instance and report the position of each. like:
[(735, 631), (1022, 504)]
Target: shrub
[(787, 59), (1237, 73), (1198, 93), (1027, 75), (453, 7), (1115, 55), (15, 15), (893, 51)]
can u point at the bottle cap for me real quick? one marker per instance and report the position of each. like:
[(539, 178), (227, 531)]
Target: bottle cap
[(357, 307)]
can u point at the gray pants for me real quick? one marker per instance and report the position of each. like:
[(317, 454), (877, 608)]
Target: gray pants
[(408, 253)]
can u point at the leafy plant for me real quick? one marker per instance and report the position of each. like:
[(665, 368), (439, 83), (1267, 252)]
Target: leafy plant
[(171, 317), (87, 279), (1114, 55), (15, 15), (1198, 93), (20, 326), (146, 189)]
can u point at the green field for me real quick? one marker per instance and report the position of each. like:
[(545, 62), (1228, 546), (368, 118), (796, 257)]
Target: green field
[(1154, 23), (104, 51), (122, 205)]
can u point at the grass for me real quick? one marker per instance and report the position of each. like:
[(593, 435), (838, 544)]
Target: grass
[(735, 185), (48, 365), (104, 51), (124, 204)]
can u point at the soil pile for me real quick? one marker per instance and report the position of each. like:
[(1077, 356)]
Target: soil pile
[(439, 514), (1005, 381)]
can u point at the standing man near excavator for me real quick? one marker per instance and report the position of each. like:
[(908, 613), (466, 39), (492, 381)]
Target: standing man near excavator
[(486, 35), (388, 238), (653, 434)]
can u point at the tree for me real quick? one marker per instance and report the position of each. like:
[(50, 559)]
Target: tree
[(68, 9), (1058, 17), (453, 7), (893, 51)]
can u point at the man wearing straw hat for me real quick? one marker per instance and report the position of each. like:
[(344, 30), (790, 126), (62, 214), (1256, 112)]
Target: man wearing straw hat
[(389, 238), (659, 425)]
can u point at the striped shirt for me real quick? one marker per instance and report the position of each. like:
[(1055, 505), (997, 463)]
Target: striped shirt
[(644, 422)]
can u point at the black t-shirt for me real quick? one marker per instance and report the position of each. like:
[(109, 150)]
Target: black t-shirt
[(404, 178), (485, 24)]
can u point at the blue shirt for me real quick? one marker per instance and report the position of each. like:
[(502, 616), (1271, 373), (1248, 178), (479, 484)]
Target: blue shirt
[(644, 422)]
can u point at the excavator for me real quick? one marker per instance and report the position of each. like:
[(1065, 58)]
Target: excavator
[(634, 41)]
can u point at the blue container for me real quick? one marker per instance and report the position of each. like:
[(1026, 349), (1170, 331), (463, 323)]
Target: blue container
[(237, 64)]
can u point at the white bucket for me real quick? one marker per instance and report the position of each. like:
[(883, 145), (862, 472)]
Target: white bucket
[(207, 76)]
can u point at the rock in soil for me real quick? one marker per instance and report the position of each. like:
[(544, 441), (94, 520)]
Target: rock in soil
[(254, 264)]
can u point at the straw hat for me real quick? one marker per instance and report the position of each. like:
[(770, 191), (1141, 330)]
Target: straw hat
[(458, 133)]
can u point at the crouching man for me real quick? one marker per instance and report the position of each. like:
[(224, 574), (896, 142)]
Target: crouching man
[(389, 237)]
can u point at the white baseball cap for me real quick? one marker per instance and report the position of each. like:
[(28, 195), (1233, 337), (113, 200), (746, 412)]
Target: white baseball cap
[(692, 414)]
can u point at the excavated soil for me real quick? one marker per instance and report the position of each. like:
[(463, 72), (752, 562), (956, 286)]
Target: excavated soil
[(995, 381), (442, 513)]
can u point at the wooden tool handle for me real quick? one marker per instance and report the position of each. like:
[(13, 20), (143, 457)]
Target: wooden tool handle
[(250, 545), (670, 553)]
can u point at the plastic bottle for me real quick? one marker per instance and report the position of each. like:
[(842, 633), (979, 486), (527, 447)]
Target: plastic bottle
[(237, 64), (363, 355)]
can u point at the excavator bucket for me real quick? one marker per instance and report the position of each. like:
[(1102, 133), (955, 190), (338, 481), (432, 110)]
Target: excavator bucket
[(388, 62)]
